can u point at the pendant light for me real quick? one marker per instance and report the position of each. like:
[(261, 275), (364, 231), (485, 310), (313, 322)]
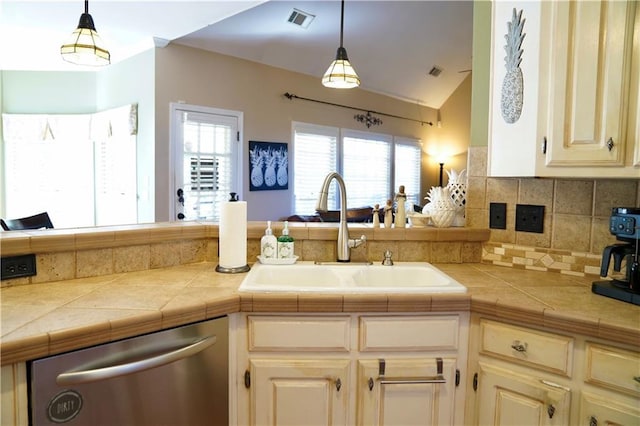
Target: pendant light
[(340, 74), (84, 46)]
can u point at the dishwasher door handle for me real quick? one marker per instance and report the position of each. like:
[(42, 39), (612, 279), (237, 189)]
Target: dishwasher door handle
[(104, 373)]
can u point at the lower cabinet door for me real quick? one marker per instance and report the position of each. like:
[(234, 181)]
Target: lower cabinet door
[(409, 392), (506, 397), (311, 392), (597, 410)]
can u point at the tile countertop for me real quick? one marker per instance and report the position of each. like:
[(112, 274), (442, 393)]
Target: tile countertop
[(45, 319)]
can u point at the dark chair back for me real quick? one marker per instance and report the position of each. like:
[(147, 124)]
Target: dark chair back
[(38, 221)]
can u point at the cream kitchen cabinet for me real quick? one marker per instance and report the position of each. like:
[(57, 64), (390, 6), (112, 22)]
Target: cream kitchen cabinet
[(522, 376), (612, 386), (351, 369), (14, 408), (416, 391), (526, 375), (299, 392), (579, 112), (508, 397)]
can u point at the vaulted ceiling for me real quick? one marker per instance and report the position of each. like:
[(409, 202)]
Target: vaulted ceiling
[(393, 45)]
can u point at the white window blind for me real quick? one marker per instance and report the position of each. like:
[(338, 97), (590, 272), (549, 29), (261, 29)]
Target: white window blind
[(316, 155), (408, 154), (372, 165), (366, 168)]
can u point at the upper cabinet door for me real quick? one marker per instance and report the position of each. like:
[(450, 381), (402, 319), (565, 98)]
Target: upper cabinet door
[(591, 48), (516, 89), (564, 89)]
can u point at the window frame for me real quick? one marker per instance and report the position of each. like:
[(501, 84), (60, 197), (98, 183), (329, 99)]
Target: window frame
[(340, 134)]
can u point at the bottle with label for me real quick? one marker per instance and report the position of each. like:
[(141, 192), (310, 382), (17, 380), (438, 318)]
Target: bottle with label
[(268, 244), (285, 243)]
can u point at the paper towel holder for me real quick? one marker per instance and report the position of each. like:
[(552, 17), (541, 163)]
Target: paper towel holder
[(236, 269)]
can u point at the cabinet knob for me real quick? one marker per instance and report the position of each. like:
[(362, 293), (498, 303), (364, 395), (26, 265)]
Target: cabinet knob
[(551, 410), (610, 144), (637, 379), (593, 421), (338, 384), (519, 347)]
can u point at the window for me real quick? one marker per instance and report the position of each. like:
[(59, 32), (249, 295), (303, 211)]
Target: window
[(372, 165), (408, 157), (366, 168), (80, 168), (316, 155)]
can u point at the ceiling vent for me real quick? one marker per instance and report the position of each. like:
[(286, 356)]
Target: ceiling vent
[(435, 71), (300, 18)]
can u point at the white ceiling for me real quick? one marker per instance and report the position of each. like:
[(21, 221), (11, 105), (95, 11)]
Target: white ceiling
[(391, 44)]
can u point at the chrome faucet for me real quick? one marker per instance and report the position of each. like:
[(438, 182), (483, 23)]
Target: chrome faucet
[(344, 243)]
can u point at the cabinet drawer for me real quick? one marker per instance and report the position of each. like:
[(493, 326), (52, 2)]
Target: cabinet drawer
[(545, 351), (409, 333), (613, 368), (298, 334)]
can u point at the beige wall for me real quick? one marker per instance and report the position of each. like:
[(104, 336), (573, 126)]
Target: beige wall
[(214, 80), (450, 141)]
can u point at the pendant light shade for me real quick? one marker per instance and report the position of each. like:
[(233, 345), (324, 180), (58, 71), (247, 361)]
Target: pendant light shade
[(84, 46), (340, 74)]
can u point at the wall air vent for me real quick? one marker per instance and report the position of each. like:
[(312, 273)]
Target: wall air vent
[(435, 71), (300, 18)]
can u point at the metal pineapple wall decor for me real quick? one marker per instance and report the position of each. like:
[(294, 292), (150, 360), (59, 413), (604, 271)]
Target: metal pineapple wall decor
[(513, 84)]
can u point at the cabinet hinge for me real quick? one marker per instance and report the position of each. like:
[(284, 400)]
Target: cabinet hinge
[(247, 379), (475, 382), (457, 377)]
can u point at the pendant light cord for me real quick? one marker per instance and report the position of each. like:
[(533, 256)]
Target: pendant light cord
[(86, 6), (341, 22)]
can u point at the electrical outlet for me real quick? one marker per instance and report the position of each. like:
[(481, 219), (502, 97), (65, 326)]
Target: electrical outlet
[(529, 218), (18, 266), (498, 215)]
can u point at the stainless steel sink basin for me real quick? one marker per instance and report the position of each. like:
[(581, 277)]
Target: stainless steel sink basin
[(402, 277)]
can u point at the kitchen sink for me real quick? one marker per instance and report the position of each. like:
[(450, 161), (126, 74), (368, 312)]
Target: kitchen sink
[(402, 277)]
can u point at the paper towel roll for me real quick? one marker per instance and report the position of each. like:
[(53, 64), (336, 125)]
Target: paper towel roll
[(232, 238)]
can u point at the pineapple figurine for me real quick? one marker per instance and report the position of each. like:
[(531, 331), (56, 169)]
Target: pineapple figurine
[(457, 187), (440, 207), (513, 84)]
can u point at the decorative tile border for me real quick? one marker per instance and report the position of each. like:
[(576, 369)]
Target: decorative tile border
[(541, 259)]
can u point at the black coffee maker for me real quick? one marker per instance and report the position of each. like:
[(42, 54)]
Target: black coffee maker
[(624, 223)]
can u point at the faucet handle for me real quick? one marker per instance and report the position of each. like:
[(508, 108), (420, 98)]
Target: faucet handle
[(357, 241), (387, 261)]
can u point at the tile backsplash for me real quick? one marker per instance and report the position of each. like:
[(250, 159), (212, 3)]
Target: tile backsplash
[(576, 217)]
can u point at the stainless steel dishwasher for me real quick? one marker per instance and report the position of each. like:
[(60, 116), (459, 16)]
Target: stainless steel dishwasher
[(173, 377)]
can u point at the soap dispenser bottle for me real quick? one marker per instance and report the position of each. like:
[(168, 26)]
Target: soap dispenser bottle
[(268, 244), (285, 243)]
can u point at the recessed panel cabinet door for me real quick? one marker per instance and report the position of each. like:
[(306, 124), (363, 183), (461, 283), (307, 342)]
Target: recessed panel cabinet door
[(409, 393), (590, 66), (509, 398), (310, 392), (598, 410)]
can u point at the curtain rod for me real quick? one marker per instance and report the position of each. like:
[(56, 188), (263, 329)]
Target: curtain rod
[(291, 96)]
